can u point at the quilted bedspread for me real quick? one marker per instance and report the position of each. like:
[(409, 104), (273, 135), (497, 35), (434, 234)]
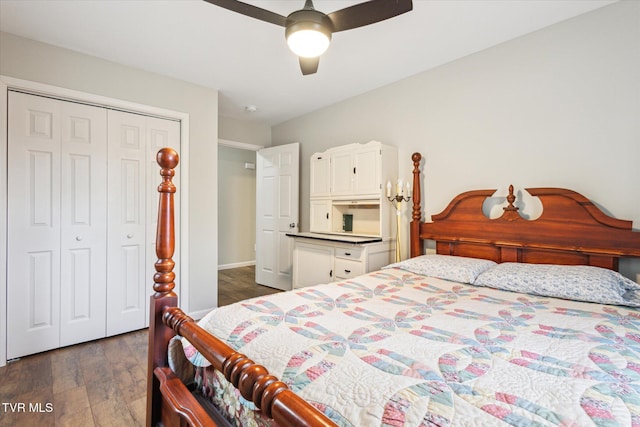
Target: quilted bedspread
[(393, 348)]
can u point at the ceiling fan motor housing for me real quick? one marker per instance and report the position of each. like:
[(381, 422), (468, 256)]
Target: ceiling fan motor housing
[(307, 19)]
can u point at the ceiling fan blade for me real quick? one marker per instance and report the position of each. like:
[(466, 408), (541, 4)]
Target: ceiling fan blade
[(251, 11), (309, 65), (367, 13)]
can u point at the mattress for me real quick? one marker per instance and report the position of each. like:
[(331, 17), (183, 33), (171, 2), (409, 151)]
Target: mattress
[(398, 348)]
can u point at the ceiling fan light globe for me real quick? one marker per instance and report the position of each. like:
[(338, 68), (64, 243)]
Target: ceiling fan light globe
[(308, 43)]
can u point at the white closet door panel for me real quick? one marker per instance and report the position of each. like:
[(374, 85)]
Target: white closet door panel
[(84, 223), (126, 217), (160, 133), (33, 274)]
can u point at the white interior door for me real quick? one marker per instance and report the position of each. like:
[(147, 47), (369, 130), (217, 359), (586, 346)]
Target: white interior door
[(277, 185)]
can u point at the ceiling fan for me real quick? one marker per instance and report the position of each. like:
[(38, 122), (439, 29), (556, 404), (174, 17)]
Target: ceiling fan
[(308, 31)]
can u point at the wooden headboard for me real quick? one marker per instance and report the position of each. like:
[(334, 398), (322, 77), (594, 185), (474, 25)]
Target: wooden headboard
[(570, 230)]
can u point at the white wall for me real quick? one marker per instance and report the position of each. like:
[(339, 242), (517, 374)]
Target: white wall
[(236, 207), (244, 131), (29, 60), (559, 107)]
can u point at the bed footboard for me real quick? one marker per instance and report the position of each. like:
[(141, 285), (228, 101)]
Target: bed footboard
[(169, 402), (253, 381)]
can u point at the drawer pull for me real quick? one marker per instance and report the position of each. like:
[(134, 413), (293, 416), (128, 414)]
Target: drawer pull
[(347, 271), (347, 253)]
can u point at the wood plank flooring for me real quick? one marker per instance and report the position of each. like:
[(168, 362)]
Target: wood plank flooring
[(100, 383), (237, 284)]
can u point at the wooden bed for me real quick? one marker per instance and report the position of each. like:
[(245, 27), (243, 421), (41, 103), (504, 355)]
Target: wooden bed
[(571, 230)]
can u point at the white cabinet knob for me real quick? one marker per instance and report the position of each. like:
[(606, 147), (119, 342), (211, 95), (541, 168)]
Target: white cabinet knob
[(129, 236), (78, 238)]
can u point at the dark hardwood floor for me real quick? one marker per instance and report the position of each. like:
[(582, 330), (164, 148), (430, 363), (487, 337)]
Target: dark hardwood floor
[(100, 383), (237, 284)]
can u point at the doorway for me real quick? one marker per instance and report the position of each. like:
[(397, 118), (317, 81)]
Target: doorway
[(236, 206)]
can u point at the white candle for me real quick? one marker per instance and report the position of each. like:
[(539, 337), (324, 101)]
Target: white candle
[(399, 187), (408, 188), (388, 188)]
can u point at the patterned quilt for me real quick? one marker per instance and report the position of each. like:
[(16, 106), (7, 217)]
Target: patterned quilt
[(393, 348)]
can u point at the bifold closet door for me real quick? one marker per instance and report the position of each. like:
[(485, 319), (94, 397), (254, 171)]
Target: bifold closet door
[(126, 245), (56, 223), (134, 176)]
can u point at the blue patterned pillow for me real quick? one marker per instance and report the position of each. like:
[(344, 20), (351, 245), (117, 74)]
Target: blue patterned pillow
[(574, 282), (448, 267)]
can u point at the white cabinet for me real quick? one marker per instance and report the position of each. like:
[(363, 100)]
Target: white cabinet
[(78, 242), (348, 181), (318, 261), (350, 219)]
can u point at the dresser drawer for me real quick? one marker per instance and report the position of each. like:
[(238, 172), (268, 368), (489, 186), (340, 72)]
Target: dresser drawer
[(349, 253), (347, 269)]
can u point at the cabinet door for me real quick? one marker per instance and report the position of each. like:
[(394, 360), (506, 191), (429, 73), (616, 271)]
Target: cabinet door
[(313, 264), (366, 166), (342, 173), (320, 216), (320, 178)]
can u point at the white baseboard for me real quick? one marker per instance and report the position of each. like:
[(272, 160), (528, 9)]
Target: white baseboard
[(236, 265)]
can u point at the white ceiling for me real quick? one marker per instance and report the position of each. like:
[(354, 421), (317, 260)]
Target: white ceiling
[(248, 61)]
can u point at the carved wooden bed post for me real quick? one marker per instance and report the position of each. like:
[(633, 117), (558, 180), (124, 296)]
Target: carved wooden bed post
[(169, 402), (416, 216), (159, 334)]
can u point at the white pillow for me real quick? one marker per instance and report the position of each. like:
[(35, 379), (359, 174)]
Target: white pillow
[(448, 267), (574, 282)]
